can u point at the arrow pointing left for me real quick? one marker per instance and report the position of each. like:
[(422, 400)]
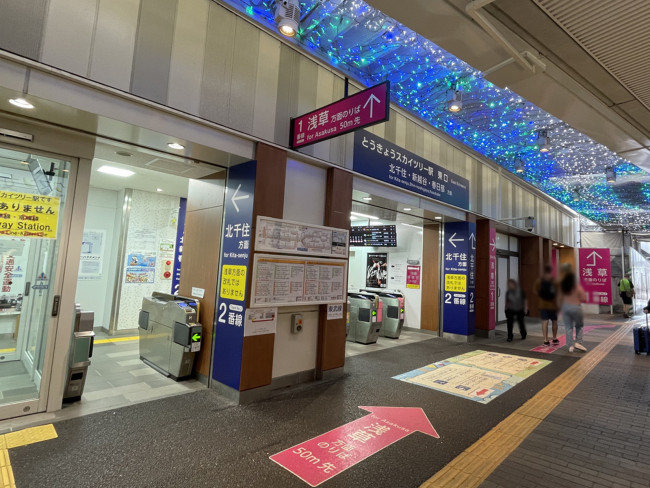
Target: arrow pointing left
[(236, 198), (196, 337), (321, 458), (453, 240)]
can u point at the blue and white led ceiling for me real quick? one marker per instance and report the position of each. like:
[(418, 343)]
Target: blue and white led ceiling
[(372, 47)]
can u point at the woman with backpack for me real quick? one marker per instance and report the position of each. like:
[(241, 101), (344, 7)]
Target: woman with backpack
[(572, 296)]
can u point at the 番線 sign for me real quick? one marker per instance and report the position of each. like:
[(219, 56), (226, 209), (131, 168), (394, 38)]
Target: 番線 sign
[(363, 109)]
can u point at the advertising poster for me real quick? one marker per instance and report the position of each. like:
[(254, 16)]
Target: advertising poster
[(140, 268), (596, 275), (377, 270), (413, 277), (28, 215), (478, 375), (92, 254)]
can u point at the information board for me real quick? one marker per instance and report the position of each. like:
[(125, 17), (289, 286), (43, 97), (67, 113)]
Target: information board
[(374, 236), (288, 280), (286, 236), (28, 215)]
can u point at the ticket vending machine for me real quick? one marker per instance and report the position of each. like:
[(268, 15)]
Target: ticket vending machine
[(363, 318), (169, 333)]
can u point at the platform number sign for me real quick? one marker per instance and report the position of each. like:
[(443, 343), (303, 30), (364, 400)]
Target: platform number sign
[(459, 278)]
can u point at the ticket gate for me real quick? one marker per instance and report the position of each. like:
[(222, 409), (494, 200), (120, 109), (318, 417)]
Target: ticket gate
[(393, 320), (81, 350), (364, 327), (169, 333)]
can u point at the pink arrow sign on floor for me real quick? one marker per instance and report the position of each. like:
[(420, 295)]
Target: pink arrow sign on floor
[(323, 457), (554, 347)]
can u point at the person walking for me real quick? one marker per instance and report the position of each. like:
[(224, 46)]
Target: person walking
[(546, 289), (626, 290), (516, 308), (572, 296)]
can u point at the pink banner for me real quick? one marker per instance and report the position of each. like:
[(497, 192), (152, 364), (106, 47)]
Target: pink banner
[(596, 275), (413, 277), (323, 457), (492, 285)]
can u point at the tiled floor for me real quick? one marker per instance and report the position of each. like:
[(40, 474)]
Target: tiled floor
[(406, 337)]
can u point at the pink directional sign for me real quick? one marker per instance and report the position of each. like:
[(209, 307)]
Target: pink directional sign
[(492, 283), (362, 109), (554, 347), (323, 457), (596, 275)]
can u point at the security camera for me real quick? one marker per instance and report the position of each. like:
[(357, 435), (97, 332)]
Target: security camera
[(530, 224), (287, 16)]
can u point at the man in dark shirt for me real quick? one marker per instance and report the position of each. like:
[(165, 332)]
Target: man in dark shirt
[(546, 289)]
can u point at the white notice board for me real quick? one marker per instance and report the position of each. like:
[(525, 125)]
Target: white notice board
[(282, 281), (286, 236)]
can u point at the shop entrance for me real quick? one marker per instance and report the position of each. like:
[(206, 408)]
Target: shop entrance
[(34, 219), (393, 275)]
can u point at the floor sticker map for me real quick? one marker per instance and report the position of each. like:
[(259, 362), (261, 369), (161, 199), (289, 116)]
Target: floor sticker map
[(478, 375)]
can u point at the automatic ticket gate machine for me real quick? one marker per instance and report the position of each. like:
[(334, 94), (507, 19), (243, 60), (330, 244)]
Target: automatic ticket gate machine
[(81, 350), (170, 335), (364, 326), (393, 320)]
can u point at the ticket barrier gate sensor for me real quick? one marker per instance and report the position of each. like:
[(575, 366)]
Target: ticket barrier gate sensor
[(81, 350), (393, 313), (364, 327), (169, 335)]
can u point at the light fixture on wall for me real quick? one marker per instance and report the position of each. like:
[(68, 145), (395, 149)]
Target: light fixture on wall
[(367, 199), (408, 209), (454, 99), (610, 174), (175, 145), (576, 195), (543, 141), (113, 171), (365, 216), (287, 16), (159, 189), (520, 165), (21, 103)]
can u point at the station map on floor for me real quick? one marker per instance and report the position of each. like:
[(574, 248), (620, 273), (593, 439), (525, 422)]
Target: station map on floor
[(478, 375)]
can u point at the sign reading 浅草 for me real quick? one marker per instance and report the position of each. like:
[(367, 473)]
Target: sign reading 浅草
[(28, 215)]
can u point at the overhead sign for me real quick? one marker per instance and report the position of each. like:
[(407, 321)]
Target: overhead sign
[(28, 215), (373, 235), (387, 162), (321, 458), (285, 236), (460, 278), (363, 109), (596, 275), (236, 249)]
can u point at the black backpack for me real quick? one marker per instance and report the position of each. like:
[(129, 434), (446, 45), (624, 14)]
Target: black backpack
[(547, 291)]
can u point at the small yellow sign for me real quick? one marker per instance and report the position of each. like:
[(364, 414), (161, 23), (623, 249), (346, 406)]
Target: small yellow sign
[(233, 282), (456, 282), (413, 286), (28, 215)]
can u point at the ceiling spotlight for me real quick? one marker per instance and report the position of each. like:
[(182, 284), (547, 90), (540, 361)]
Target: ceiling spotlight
[(126, 154), (520, 166), (438, 218), (610, 174), (576, 195), (175, 145), (287, 16), (21, 103), (543, 141), (159, 189), (367, 199), (408, 209), (454, 100)]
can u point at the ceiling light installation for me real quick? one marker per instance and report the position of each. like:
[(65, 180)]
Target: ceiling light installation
[(543, 141), (454, 99), (287, 17), (21, 103), (576, 195), (520, 166), (175, 145), (113, 171), (610, 174)]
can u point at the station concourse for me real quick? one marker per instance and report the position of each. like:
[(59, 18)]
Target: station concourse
[(286, 243)]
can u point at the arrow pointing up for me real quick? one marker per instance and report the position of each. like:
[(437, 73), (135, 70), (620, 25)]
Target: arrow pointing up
[(371, 99), (453, 241), (472, 239), (235, 198), (412, 418), (592, 256)]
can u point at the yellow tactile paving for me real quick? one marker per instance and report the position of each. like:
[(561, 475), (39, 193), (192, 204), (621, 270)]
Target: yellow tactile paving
[(6, 474), (477, 462), (30, 436), (116, 339)]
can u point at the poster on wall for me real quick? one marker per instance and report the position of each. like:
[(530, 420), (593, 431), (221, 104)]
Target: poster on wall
[(413, 277), (140, 268), (92, 254), (143, 239), (377, 270), (13, 262)]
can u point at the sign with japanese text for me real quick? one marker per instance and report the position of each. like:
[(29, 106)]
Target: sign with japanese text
[(235, 259), (334, 311), (492, 284), (14, 255), (363, 109), (387, 162), (460, 278), (178, 250), (28, 215), (260, 321), (596, 275), (285, 236), (92, 254), (321, 458), (413, 277)]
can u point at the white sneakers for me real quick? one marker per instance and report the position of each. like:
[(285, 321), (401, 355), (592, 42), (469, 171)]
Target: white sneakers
[(578, 346)]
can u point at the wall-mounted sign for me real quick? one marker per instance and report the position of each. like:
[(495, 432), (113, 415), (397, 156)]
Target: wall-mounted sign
[(334, 311), (178, 248), (363, 109), (492, 283), (28, 215), (384, 161), (374, 236), (596, 275), (288, 280), (413, 277), (285, 236), (460, 278), (260, 321), (92, 254)]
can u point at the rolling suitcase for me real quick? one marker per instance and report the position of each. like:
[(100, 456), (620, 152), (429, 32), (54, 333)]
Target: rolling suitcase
[(642, 338)]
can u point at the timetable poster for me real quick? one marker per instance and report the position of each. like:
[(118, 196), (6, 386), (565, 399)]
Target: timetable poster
[(377, 270)]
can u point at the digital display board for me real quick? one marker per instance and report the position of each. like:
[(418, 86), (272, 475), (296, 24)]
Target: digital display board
[(374, 236)]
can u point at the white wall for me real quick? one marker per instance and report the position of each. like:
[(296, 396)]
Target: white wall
[(304, 201), (95, 295), (409, 247)]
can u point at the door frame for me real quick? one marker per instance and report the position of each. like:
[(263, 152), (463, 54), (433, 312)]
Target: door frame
[(502, 253)]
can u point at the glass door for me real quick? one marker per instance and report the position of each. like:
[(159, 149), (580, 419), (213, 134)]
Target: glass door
[(33, 191)]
